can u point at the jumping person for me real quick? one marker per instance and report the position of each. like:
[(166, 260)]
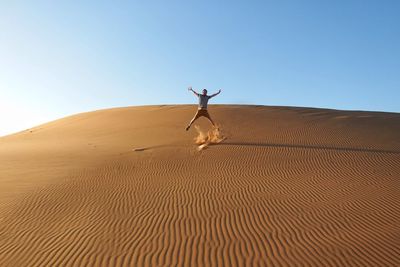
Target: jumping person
[(202, 109)]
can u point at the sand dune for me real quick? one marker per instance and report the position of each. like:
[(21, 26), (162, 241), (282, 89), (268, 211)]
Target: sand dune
[(288, 187)]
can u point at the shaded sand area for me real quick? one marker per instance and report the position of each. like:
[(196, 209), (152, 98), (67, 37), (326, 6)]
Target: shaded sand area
[(288, 187)]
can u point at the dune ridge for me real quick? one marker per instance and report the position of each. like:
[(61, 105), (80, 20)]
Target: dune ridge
[(288, 187)]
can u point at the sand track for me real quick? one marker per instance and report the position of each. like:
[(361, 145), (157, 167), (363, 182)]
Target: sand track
[(299, 194)]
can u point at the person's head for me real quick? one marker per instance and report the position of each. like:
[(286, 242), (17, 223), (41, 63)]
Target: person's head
[(204, 91)]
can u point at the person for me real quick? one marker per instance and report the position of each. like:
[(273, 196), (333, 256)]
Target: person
[(202, 108)]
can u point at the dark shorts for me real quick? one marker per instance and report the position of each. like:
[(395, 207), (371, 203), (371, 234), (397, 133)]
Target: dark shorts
[(202, 112)]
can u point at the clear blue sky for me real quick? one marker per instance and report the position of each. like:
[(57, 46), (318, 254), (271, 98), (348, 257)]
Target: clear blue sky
[(63, 57)]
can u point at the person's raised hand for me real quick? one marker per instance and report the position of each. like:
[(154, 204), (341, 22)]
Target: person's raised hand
[(189, 88), (219, 91)]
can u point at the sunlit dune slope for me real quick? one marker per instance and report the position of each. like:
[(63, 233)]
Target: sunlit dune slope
[(287, 187)]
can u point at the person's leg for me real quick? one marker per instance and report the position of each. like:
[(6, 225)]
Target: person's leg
[(209, 118), (196, 116)]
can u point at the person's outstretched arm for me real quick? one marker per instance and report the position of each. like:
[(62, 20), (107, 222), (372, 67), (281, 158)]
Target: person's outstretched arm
[(217, 93), (194, 92)]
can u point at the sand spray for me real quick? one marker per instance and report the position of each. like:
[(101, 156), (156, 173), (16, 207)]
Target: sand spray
[(212, 136)]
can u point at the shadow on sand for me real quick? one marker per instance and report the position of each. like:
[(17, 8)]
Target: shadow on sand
[(316, 147)]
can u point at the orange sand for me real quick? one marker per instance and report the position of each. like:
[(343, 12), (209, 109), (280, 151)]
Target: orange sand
[(288, 187)]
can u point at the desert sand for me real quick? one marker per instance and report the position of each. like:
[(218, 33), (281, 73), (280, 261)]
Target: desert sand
[(129, 187)]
